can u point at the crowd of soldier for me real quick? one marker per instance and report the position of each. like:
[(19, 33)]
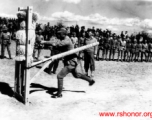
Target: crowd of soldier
[(111, 46), (124, 48)]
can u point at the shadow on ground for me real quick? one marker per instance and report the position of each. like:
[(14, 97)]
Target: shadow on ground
[(6, 89), (49, 90)]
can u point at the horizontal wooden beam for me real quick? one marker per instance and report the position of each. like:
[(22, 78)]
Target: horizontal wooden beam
[(64, 54)]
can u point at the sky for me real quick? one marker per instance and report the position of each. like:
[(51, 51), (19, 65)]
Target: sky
[(117, 15)]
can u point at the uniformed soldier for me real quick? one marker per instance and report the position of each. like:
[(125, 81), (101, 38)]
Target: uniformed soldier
[(82, 38), (74, 40), (38, 46), (110, 46), (6, 42), (107, 46), (133, 48), (100, 48), (123, 48), (104, 48), (118, 47), (145, 51), (150, 51), (114, 47), (137, 51), (89, 61), (97, 37), (128, 49), (70, 63), (81, 43)]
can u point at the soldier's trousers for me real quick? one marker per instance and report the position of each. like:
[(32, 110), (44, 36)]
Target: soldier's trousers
[(54, 66), (66, 70), (89, 61), (3, 50)]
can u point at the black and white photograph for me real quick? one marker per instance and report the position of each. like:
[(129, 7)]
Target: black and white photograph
[(75, 59)]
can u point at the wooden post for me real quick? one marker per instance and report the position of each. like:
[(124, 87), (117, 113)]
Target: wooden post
[(22, 71), (28, 55)]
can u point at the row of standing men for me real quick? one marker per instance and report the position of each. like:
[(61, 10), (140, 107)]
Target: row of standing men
[(125, 49), (110, 48)]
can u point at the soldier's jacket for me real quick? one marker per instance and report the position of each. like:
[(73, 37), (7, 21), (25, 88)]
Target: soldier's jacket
[(144, 47), (123, 45), (101, 43), (133, 47), (89, 41), (82, 41), (107, 46), (138, 47), (74, 41), (128, 46), (114, 44), (110, 43), (118, 44), (64, 46)]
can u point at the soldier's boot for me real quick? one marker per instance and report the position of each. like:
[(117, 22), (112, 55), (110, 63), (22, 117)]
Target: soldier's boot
[(86, 78), (60, 87), (3, 52)]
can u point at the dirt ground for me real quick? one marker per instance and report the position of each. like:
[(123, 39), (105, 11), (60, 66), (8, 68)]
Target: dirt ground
[(120, 86)]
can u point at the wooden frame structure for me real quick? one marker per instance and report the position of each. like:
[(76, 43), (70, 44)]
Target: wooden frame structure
[(22, 74)]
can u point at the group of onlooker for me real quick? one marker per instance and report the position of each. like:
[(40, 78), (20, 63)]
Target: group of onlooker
[(111, 46)]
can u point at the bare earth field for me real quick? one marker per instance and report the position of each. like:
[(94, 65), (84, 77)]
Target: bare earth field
[(120, 86)]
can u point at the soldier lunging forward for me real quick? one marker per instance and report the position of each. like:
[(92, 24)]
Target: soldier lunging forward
[(70, 64)]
